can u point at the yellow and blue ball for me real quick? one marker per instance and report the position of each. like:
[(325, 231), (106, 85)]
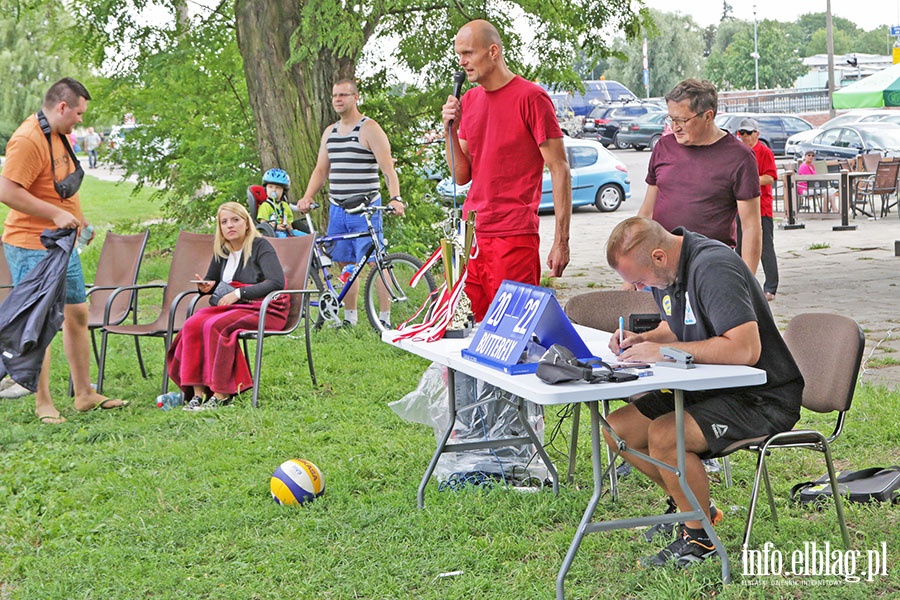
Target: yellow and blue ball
[(296, 481)]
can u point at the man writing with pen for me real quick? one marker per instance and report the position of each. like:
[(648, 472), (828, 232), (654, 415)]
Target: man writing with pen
[(713, 308)]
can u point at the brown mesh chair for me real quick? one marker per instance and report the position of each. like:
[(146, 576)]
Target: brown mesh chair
[(829, 372), (118, 266), (192, 254), (295, 255), (601, 310)]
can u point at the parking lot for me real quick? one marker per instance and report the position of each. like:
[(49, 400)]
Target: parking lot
[(821, 270)]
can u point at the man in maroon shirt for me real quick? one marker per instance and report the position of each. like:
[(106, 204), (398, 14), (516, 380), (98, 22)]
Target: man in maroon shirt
[(701, 177)]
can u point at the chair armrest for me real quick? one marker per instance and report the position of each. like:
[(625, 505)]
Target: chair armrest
[(263, 311), (173, 310), (125, 288)]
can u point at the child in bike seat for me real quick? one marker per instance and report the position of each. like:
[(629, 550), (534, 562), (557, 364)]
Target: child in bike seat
[(276, 210)]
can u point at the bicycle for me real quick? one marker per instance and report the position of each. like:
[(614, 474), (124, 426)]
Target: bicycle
[(393, 271)]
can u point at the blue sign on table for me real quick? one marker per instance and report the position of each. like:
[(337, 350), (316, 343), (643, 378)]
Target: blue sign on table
[(519, 314)]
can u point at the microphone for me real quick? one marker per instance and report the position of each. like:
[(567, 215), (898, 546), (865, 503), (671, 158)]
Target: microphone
[(458, 79)]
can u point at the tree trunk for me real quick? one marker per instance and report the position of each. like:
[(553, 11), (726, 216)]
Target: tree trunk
[(291, 105)]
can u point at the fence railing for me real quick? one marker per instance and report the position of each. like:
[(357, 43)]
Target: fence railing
[(791, 102)]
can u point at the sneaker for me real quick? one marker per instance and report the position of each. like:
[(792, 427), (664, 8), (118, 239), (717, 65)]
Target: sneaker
[(683, 552), (12, 389), (212, 402), (712, 465), (195, 404), (667, 529), (386, 325), (623, 470), (662, 528)]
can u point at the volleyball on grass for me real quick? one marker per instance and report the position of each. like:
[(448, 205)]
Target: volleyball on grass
[(296, 481)]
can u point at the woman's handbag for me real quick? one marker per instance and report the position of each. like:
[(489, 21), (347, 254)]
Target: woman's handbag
[(221, 290)]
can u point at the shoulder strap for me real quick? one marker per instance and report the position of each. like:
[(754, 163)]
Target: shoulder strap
[(45, 127)]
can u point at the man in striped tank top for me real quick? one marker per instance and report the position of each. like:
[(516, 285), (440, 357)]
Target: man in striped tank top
[(350, 155), (499, 137)]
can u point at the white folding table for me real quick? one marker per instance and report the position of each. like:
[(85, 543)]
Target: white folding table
[(703, 377)]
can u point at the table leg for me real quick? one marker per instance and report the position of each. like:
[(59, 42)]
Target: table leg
[(538, 446), (592, 505), (682, 481), (451, 401), (696, 512)]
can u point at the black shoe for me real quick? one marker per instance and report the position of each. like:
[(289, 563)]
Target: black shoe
[(666, 529), (683, 552), (623, 470), (663, 528)]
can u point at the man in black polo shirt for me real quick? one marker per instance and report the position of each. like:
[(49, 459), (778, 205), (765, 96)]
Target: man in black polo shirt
[(713, 308)]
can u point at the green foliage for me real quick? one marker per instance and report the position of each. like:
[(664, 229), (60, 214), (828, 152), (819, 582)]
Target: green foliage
[(818, 43), (779, 64), (32, 57), (195, 143), (674, 53)]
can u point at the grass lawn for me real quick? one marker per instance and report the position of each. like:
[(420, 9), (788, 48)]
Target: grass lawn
[(145, 503)]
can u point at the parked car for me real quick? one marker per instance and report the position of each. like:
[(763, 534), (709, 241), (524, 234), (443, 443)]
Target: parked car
[(598, 177), (854, 116), (644, 131), (887, 117), (568, 121), (856, 138), (604, 122), (596, 92), (774, 129)]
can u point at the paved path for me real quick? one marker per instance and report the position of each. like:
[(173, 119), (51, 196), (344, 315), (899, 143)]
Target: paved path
[(854, 273)]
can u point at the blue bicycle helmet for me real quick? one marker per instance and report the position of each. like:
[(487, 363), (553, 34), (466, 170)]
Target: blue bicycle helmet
[(278, 177)]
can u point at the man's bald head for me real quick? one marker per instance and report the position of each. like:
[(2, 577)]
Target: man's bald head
[(483, 33)]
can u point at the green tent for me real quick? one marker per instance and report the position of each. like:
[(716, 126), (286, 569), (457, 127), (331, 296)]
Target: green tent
[(875, 91)]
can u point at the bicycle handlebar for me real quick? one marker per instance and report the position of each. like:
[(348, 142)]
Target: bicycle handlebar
[(369, 208)]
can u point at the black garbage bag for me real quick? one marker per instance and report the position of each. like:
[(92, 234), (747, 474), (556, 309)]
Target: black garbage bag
[(33, 312)]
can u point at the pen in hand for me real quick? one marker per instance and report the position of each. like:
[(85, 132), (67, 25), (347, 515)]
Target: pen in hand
[(621, 333)]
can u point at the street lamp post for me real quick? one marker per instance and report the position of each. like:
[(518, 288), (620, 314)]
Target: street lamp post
[(755, 54)]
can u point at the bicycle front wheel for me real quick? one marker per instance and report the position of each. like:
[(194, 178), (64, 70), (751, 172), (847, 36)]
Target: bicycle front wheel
[(400, 298)]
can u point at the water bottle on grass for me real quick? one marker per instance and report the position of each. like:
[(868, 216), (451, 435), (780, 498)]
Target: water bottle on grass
[(170, 400)]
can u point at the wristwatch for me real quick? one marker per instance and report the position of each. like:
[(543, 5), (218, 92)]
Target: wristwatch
[(397, 198)]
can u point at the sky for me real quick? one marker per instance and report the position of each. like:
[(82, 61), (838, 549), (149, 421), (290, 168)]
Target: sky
[(867, 14)]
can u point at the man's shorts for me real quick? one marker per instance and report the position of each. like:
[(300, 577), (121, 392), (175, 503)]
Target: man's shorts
[(339, 222), (514, 257), (724, 416), (22, 260)]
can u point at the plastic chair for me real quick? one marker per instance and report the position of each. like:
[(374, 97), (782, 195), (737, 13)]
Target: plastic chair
[(193, 252), (829, 372), (601, 310), (295, 254)]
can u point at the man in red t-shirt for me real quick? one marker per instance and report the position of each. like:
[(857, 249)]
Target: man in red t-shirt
[(499, 137), (748, 131)]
